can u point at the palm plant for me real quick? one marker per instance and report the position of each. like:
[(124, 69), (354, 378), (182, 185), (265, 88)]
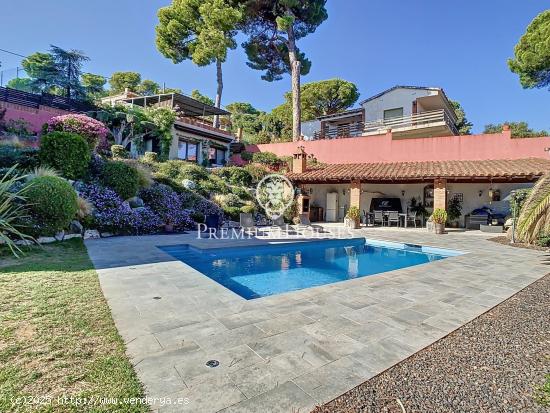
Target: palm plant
[(534, 219), (12, 210)]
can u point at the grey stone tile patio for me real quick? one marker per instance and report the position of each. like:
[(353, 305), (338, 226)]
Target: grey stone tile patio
[(292, 351)]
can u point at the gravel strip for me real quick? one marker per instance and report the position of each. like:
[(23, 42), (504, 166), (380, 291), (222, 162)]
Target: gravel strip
[(492, 364), (506, 241)]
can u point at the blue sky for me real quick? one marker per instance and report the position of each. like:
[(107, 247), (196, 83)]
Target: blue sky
[(460, 46)]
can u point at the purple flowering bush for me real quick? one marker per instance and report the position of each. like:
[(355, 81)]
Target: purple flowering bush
[(199, 206), (165, 202), (94, 131), (112, 214)]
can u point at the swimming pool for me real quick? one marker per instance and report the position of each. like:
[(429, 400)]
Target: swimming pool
[(259, 271)]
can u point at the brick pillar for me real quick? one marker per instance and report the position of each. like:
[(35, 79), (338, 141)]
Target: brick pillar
[(440, 193), (355, 194)]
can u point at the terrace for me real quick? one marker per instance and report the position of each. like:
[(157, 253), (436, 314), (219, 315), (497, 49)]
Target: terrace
[(295, 350), (431, 123)]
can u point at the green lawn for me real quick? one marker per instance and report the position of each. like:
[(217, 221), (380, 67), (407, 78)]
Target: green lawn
[(57, 337)]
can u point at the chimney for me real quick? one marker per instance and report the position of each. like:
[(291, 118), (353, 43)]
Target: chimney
[(299, 161)]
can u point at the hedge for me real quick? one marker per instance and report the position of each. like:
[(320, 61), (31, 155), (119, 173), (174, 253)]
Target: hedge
[(52, 203), (121, 178), (66, 152)]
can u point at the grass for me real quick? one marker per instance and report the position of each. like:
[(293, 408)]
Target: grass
[(542, 395), (57, 336)]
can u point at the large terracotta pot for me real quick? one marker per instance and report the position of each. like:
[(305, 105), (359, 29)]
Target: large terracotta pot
[(439, 228)]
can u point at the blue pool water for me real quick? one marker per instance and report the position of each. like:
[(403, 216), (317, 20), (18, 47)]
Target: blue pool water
[(260, 271)]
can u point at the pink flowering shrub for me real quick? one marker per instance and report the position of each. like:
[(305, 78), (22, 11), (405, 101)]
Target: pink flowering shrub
[(92, 130)]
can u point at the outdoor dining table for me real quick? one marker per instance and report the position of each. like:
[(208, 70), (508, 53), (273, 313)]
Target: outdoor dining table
[(370, 217)]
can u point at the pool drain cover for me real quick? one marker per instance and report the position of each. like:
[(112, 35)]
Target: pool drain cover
[(212, 363), (157, 298)]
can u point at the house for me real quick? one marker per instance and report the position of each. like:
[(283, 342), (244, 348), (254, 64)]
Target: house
[(409, 111), (479, 170), (194, 138)]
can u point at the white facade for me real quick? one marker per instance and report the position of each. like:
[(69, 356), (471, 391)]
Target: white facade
[(395, 99), (433, 115)]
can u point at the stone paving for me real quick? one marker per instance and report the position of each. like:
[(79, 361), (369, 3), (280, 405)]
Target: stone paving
[(290, 352)]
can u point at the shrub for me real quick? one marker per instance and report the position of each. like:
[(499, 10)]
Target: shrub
[(242, 193), (246, 156), (85, 208), (95, 167), (119, 152), (24, 158), (228, 200), (266, 158), (353, 213), (12, 212), (42, 171), (145, 176), (122, 178), (257, 172), (232, 212), (248, 209), (180, 170), (454, 210), (168, 205), (439, 216), (544, 240), (208, 207), (235, 175), (93, 131), (213, 185), (150, 157), (112, 214), (52, 203), (66, 152)]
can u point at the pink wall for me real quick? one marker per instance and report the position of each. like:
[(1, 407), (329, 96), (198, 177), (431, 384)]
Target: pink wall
[(382, 148), (35, 117)]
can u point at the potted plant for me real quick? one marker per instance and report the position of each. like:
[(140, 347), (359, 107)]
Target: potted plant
[(439, 217), (454, 211), (352, 218), (419, 208)]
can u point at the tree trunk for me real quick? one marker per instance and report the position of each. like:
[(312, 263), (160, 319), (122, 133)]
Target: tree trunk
[(295, 66), (218, 91)]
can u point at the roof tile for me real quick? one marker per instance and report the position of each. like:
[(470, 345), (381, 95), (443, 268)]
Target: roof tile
[(501, 168)]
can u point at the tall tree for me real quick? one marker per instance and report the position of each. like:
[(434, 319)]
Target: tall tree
[(518, 129), (69, 66), (532, 54), (124, 80), (42, 71), (273, 27), (94, 85), (148, 87), (463, 125), (200, 30), (195, 94), (23, 84)]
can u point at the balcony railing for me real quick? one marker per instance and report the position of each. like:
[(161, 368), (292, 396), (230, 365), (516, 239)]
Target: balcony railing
[(403, 123), (202, 124)]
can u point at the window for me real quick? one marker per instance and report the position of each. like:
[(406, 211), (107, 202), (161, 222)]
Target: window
[(187, 151), (216, 156), (393, 113)]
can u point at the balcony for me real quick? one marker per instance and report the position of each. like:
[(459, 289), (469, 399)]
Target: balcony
[(425, 124)]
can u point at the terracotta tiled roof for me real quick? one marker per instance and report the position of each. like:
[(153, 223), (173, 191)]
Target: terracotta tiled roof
[(402, 171)]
